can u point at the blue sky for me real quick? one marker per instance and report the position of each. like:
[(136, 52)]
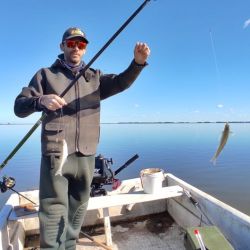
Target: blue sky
[(199, 68)]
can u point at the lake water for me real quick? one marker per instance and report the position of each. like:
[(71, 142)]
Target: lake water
[(184, 150)]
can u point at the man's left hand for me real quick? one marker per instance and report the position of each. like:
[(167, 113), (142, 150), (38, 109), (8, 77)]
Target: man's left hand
[(141, 53)]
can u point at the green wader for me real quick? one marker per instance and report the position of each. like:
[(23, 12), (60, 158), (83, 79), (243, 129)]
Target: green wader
[(63, 200)]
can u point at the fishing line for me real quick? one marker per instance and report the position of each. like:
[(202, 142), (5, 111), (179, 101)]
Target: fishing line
[(215, 56), (219, 104)]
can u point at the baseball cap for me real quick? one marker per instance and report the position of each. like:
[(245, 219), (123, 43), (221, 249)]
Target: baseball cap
[(74, 32)]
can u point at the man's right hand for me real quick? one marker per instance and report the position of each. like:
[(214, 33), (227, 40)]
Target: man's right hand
[(52, 102)]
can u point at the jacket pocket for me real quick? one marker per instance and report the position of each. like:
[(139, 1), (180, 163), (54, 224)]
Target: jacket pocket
[(52, 138)]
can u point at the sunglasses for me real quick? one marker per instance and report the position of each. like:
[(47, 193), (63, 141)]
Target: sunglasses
[(72, 43)]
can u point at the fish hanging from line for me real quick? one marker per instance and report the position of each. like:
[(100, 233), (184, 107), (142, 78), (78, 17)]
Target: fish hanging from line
[(63, 158), (223, 141)]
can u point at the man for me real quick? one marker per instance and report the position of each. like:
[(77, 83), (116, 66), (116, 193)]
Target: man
[(70, 133)]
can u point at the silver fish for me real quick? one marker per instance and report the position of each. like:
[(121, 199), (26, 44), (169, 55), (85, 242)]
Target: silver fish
[(223, 141), (63, 158)]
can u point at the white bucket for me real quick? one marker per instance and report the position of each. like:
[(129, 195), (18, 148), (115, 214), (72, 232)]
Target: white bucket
[(151, 180)]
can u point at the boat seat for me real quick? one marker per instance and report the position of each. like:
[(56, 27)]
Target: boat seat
[(104, 202)]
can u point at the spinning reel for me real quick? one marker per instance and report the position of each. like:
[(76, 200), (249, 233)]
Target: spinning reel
[(103, 174), (7, 183)]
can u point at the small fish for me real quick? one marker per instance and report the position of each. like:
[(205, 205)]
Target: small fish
[(63, 158), (223, 141)]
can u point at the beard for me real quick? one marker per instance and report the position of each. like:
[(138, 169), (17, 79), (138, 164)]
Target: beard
[(74, 59)]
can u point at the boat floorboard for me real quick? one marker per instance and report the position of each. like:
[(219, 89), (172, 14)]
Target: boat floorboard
[(154, 232)]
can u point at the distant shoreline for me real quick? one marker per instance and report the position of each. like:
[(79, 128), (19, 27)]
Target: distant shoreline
[(180, 122)]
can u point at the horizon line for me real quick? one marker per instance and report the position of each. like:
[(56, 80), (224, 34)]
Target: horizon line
[(140, 122)]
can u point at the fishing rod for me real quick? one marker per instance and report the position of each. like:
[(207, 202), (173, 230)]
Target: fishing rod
[(196, 204), (9, 183), (45, 114)]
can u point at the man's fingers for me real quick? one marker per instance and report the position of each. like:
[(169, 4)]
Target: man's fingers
[(60, 100), (142, 48), (53, 102), (140, 45)]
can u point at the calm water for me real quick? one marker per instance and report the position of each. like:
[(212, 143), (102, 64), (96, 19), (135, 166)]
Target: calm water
[(182, 149)]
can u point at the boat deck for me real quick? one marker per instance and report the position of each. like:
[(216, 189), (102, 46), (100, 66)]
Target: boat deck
[(151, 232)]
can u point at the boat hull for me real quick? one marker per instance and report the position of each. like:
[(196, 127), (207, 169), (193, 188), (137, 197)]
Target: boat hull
[(208, 210)]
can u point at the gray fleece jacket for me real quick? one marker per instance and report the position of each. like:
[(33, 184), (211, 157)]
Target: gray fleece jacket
[(78, 123)]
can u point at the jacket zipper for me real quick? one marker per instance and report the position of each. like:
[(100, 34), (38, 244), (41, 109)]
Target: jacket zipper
[(77, 116)]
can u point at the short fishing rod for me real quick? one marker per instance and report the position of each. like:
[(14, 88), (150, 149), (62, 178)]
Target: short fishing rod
[(45, 114), (9, 183)]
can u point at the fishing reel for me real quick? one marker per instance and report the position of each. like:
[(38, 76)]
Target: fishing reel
[(7, 183), (103, 175)]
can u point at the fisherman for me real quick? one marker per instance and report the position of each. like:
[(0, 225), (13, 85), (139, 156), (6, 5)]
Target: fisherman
[(70, 133)]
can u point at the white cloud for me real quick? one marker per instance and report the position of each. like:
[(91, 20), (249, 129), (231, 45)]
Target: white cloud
[(220, 106), (246, 23)]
